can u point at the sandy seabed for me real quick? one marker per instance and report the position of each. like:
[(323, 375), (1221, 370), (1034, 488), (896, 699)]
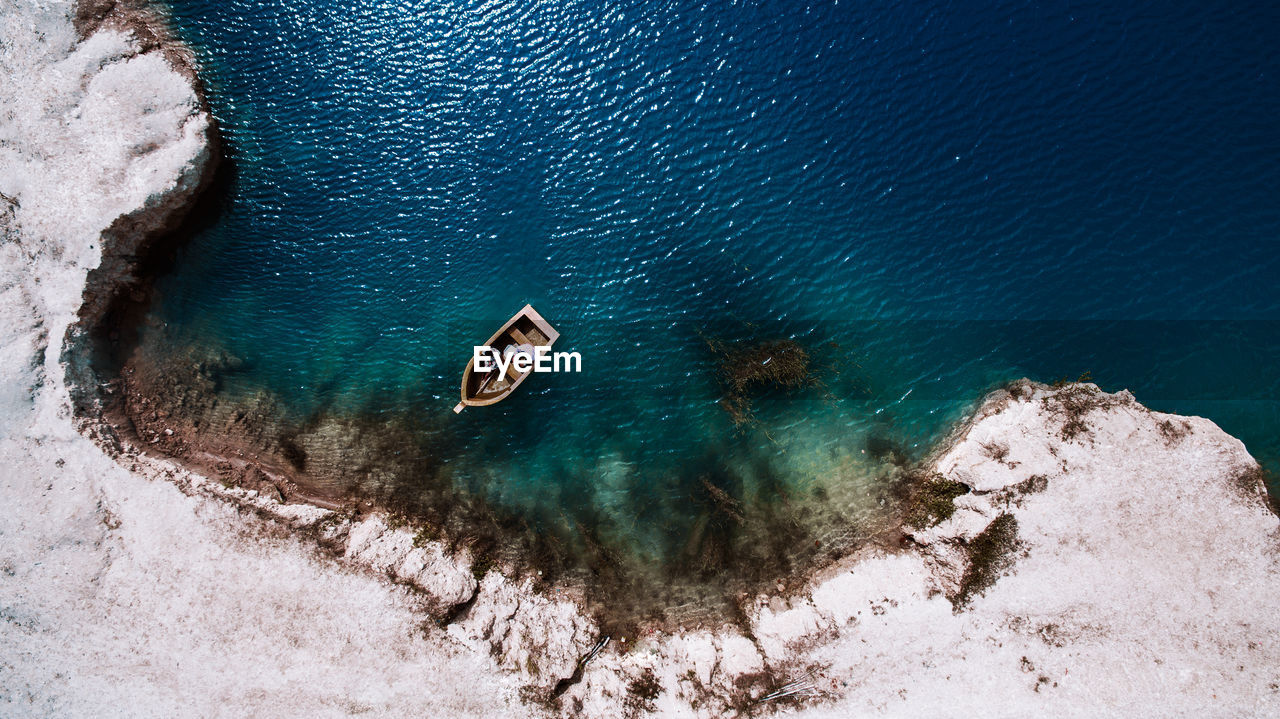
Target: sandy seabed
[(1138, 568)]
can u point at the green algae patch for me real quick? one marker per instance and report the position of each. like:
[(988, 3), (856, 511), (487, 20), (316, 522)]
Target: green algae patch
[(481, 566), (932, 501)]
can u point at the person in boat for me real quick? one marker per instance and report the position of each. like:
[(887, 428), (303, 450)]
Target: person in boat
[(511, 351), (508, 353)]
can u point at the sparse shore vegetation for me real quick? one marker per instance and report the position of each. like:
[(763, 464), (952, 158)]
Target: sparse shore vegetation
[(991, 553), (1072, 402)]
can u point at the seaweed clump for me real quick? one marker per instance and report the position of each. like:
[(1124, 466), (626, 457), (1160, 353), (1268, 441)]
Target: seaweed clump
[(724, 502), (782, 364)]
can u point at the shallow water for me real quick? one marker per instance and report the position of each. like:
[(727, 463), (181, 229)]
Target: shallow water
[(933, 199)]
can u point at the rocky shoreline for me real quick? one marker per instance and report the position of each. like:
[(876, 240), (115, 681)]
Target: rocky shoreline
[(138, 243), (1080, 554), (169, 412), (118, 416)]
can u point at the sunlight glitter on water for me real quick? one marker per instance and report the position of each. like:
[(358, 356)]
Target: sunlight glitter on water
[(652, 176)]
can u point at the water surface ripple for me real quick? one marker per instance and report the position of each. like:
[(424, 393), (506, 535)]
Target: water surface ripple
[(933, 197)]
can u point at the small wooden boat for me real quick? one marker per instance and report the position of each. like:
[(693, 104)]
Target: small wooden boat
[(522, 333)]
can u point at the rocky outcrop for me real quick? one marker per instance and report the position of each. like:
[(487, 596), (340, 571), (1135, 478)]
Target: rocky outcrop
[(137, 242), (1131, 532), (446, 580), (97, 133), (534, 634), (1106, 559)]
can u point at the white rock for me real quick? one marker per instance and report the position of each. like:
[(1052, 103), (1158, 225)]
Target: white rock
[(537, 636), (445, 580), (739, 656)]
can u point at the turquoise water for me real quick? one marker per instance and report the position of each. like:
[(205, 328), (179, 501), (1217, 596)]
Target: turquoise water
[(933, 199)]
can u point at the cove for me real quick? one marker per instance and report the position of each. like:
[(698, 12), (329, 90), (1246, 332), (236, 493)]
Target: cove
[(931, 200)]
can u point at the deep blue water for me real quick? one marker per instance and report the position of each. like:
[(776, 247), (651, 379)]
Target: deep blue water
[(934, 197)]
